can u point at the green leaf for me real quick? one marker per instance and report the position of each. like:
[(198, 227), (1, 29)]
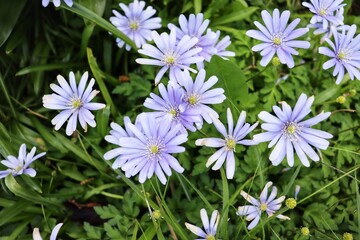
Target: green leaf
[(93, 17), (27, 194), (235, 16), (10, 12), (329, 93), (99, 79), (48, 67), (91, 231), (231, 78)]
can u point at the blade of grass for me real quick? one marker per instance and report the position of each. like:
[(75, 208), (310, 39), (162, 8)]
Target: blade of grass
[(48, 67), (7, 96), (8, 213), (99, 79)]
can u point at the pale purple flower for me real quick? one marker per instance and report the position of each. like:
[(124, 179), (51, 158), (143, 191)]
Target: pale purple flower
[(210, 227), (324, 11), (265, 204), (137, 23), (149, 150), (345, 54), (73, 102), (53, 236), (297, 190), (171, 104), (227, 145), (20, 165), (170, 53), (57, 3), (116, 133), (328, 32), (289, 131), (196, 27), (222, 45), (198, 93), (278, 38)]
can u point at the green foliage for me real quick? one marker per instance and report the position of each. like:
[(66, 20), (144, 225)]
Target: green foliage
[(75, 185)]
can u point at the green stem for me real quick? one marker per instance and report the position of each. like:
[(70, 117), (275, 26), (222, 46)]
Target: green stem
[(225, 210)]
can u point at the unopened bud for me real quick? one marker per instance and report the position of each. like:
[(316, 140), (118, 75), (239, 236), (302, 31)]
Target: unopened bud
[(276, 61), (305, 231), (352, 92), (156, 214), (341, 99), (347, 236), (290, 203)]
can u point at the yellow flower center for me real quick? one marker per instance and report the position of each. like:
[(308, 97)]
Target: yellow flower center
[(210, 237), (134, 25), (173, 112), (170, 60), (291, 129), (154, 149), (277, 40), (322, 12), (18, 168), (263, 207), (342, 55), (230, 143), (193, 100), (76, 103)]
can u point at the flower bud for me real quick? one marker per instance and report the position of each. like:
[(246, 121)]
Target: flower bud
[(290, 203), (275, 61), (305, 231), (156, 214), (347, 236), (341, 99), (352, 92)]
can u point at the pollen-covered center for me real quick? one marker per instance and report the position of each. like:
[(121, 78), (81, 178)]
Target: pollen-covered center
[(134, 25), (322, 12), (263, 207), (76, 103), (291, 129), (210, 237), (18, 168), (154, 149), (192, 99), (174, 112), (342, 55), (169, 59), (277, 40), (230, 143)]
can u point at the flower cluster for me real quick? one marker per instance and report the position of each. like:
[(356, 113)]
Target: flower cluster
[(328, 16), (184, 46), (345, 54)]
